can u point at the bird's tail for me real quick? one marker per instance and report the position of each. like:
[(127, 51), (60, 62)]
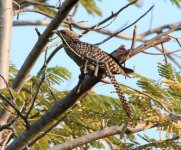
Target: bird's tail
[(121, 95)]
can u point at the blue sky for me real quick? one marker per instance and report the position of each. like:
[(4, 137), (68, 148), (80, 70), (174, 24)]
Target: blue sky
[(164, 12)]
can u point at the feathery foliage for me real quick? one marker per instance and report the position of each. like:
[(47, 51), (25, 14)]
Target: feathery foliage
[(94, 112)]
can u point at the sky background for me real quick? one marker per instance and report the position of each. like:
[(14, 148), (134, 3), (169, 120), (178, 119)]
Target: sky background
[(164, 12)]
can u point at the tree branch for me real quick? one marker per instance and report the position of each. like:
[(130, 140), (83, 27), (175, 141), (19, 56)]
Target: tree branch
[(108, 38), (91, 137), (53, 113), (6, 20), (16, 12), (65, 103), (108, 131), (6, 17), (41, 43)]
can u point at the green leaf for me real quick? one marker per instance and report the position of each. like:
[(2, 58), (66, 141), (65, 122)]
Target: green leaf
[(42, 144), (166, 71)]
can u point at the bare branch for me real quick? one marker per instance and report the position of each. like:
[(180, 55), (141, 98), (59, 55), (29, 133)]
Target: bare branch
[(165, 56), (108, 38), (6, 20), (38, 88), (41, 43), (135, 51), (91, 137), (134, 37), (108, 131), (16, 12), (31, 22), (161, 53), (17, 111), (7, 125), (111, 16), (177, 39), (9, 89), (160, 29), (51, 56)]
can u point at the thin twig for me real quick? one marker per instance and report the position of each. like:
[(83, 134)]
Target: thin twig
[(57, 121), (160, 29), (49, 88), (165, 56), (53, 45), (38, 88), (9, 89), (75, 10), (32, 10), (87, 30), (38, 32), (111, 16), (114, 18), (161, 53), (7, 125), (108, 38), (134, 37), (177, 39), (27, 124)]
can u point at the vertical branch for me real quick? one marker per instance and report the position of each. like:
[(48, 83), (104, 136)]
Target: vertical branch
[(6, 14), (134, 37), (164, 54), (6, 22)]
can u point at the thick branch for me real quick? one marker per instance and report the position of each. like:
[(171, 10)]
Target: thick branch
[(6, 14), (41, 43), (109, 131), (57, 109), (6, 19), (90, 137)]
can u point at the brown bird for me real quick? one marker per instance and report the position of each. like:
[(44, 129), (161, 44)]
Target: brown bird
[(92, 59)]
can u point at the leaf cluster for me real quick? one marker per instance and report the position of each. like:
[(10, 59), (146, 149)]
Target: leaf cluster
[(94, 111)]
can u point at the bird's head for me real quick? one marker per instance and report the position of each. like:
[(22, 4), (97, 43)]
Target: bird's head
[(67, 36)]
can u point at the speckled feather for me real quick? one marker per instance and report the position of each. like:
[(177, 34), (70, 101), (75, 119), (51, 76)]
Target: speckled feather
[(78, 50)]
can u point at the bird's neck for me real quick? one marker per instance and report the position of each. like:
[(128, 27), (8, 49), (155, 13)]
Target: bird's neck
[(69, 41)]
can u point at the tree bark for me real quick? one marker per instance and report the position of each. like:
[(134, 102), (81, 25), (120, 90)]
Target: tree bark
[(53, 113), (90, 137), (6, 22)]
